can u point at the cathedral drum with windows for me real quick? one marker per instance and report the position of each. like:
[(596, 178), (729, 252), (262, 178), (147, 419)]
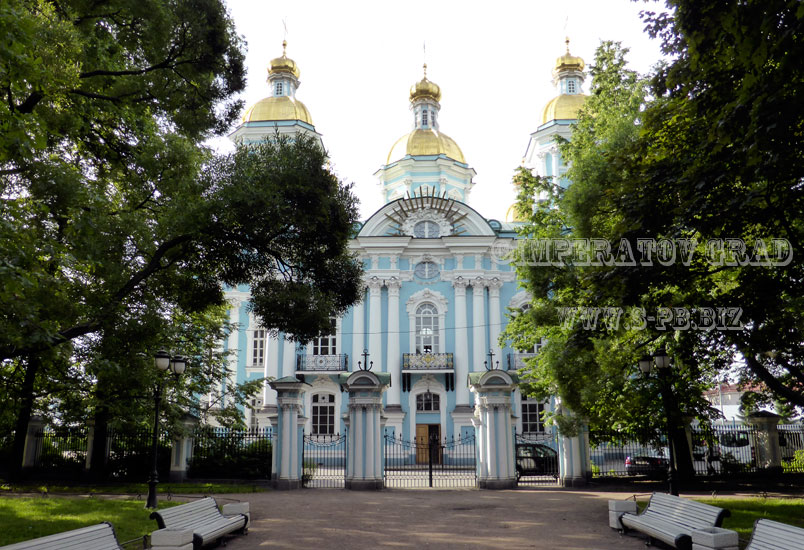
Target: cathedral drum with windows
[(436, 295)]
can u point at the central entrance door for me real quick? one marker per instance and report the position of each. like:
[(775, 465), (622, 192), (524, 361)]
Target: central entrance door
[(428, 436)]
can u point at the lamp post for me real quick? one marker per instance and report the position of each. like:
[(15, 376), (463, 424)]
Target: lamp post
[(662, 362), (176, 364)]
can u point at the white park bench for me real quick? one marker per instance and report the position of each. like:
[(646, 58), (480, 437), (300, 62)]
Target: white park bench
[(672, 519), (94, 537), (772, 535), (203, 518)]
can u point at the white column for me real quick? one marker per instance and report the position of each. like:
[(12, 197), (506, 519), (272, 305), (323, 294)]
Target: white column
[(358, 333), (360, 435), (370, 443), (287, 426), (288, 358), (495, 320), (478, 324), (375, 285), (393, 359), (271, 369), (461, 342)]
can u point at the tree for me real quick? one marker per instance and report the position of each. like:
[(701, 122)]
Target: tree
[(593, 342), (113, 212)]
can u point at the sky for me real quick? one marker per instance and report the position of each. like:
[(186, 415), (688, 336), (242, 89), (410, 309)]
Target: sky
[(492, 60)]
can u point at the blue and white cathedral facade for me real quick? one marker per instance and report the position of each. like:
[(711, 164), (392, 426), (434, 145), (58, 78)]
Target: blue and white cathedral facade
[(436, 296)]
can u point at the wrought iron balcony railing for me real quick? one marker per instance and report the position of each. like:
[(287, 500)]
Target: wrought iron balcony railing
[(328, 363), (423, 362), (517, 360)]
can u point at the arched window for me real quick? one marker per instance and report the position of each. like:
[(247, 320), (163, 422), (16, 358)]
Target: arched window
[(427, 339), (323, 414), (426, 230)]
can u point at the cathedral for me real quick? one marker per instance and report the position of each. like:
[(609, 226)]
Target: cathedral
[(437, 292)]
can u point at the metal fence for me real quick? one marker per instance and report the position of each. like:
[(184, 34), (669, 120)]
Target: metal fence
[(220, 453), (61, 451), (324, 461), (430, 462), (130, 457), (617, 454), (725, 449), (536, 458), (791, 447)]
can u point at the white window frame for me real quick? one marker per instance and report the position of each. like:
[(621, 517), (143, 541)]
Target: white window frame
[(316, 406), (279, 89), (428, 398), (427, 328), (328, 344), (440, 302), (571, 89), (430, 229), (528, 421)]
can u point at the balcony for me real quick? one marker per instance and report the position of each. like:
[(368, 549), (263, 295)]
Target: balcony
[(517, 360), (427, 362), (322, 363)]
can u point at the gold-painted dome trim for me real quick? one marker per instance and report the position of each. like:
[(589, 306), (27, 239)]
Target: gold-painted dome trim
[(563, 107), (425, 142), (278, 108), (569, 61)]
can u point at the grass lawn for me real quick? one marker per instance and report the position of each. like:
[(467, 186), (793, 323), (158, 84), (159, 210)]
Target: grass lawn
[(745, 511), (29, 518), (132, 488)]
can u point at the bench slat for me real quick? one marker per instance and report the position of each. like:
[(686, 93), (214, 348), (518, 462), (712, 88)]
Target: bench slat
[(94, 537), (772, 535), (202, 517)]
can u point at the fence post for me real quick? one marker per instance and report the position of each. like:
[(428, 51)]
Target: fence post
[(289, 423), (90, 444), (495, 429), (364, 468), (181, 449), (768, 452), (574, 460), (33, 444)]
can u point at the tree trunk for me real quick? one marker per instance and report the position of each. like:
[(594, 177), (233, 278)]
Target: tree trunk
[(24, 415)]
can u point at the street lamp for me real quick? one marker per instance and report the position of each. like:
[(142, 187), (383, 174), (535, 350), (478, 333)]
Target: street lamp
[(162, 361), (662, 362)]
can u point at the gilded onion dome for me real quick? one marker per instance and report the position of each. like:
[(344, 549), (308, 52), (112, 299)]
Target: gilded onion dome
[(567, 76), (283, 77), (426, 138), (425, 142), (425, 89), (283, 64)]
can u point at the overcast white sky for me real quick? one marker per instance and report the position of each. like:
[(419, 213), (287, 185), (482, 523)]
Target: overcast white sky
[(492, 60)]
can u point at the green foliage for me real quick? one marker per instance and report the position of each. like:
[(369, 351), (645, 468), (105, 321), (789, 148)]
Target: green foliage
[(796, 465), (230, 454)]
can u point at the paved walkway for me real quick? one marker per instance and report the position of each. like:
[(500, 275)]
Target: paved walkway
[(427, 518)]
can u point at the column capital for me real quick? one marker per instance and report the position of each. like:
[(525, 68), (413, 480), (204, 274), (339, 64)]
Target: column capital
[(393, 284), (460, 284), (479, 282), (494, 284), (375, 285)]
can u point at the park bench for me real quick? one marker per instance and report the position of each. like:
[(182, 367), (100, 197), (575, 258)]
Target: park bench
[(772, 535), (203, 518), (94, 537), (672, 519)]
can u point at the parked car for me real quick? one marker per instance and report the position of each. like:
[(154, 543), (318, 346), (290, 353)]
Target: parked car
[(705, 449), (536, 459), (649, 465), (737, 446)]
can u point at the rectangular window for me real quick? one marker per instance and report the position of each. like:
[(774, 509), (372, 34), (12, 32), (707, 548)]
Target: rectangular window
[(258, 348), (570, 86), (532, 417), (323, 414), (326, 345), (424, 118), (279, 89), (428, 402)]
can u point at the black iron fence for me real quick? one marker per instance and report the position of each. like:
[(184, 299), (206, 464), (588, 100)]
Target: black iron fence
[(130, 457), (536, 458), (220, 453), (324, 461), (791, 447), (61, 451), (430, 462), (617, 454)]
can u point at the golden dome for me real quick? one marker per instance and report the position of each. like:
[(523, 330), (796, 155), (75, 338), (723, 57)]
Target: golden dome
[(563, 107), (425, 88), (513, 216), (283, 64), (278, 108), (425, 142), (569, 61)]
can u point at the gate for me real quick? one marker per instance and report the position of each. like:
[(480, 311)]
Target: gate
[(536, 459), (324, 461), (430, 462)]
